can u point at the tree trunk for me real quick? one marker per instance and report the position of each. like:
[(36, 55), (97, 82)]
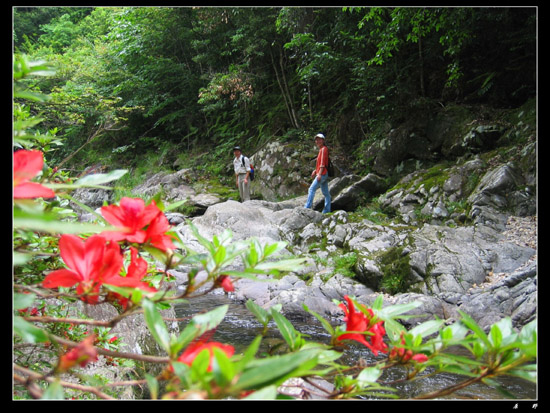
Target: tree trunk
[(422, 90), (282, 91)]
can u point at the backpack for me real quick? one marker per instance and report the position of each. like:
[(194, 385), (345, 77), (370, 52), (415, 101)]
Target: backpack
[(330, 168), (251, 175)]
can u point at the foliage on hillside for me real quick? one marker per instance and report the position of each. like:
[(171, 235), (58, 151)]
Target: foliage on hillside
[(157, 85)]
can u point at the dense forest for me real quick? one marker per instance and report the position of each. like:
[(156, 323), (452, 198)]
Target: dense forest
[(134, 86)]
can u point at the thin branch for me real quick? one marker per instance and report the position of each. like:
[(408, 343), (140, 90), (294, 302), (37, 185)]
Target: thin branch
[(47, 319), (450, 389), (32, 376), (133, 356)]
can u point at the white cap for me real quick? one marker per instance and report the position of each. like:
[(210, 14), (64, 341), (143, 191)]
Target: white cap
[(320, 135)]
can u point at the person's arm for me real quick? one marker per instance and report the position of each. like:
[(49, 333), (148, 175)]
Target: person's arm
[(236, 174), (247, 167), (323, 161)]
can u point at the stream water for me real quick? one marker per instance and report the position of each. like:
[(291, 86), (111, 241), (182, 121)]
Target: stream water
[(239, 328)]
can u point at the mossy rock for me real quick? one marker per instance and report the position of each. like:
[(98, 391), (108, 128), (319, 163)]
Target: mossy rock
[(396, 269)]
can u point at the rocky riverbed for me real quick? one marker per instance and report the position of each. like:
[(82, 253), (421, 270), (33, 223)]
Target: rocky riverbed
[(502, 265), (457, 231), (479, 258)]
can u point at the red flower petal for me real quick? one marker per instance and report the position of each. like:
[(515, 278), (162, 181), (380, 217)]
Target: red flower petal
[(226, 284), (82, 256), (193, 350), (357, 322), (32, 190), (156, 233), (26, 165), (61, 278), (420, 358), (131, 216)]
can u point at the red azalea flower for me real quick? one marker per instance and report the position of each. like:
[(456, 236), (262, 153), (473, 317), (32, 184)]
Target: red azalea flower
[(131, 216), (193, 350), (156, 233), (82, 354), (401, 355), (90, 261), (27, 312), (357, 322), (133, 279), (26, 165), (226, 284)]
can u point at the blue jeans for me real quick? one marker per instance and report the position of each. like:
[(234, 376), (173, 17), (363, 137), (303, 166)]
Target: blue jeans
[(324, 189)]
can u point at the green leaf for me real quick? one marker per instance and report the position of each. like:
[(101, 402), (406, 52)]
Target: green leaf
[(291, 336), (251, 258), (53, 226), (200, 364), (261, 314), (393, 329), (250, 352), (34, 96), (183, 371), (21, 301), (270, 249), (293, 264), (84, 207), (275, 370), (528, 339), (153, 385), (160, 255), (525, 373), (220, 255), (476, 329), (327, 326), (198, 325), (20, 259), (54, 391), (98, 179), (455, 359), (211, 319), (427, 328), (495, 336), (266, 393), (377, 304), (29, 332), (479, 349), (174, 205), (222, 367), (369, 375), (156, 325), (394, 311), (203, 241)]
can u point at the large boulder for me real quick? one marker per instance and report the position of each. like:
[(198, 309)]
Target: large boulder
[(245, 220), (502, 191), (514, 296), (352, 196), (178, 186), (282, 170)]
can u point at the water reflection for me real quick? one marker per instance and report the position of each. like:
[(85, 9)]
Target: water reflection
[(239, 328)]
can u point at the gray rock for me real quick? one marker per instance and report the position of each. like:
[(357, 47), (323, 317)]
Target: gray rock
[(349, 198), (445, 264)]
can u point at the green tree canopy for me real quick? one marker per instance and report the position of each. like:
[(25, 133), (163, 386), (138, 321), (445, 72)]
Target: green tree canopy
[(184, 77)]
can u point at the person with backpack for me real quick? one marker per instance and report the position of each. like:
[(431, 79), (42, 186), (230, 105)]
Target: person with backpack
[(321, 174), (242, 167)]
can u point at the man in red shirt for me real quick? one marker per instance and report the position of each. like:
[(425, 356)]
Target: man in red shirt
[(321, 175)]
